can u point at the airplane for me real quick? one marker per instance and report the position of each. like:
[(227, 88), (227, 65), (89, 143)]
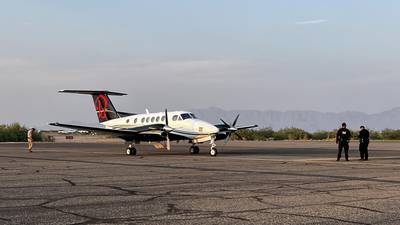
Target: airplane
[(157, 128)]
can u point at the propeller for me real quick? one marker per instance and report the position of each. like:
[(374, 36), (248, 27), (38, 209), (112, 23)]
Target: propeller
[(167, 129), (231, 128)]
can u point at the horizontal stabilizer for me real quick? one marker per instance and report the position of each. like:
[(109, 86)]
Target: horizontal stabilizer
[(92, 92)]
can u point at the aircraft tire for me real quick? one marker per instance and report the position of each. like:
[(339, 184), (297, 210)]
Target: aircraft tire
[(196, 149), (192, 150), (213, 152), (131, 151)]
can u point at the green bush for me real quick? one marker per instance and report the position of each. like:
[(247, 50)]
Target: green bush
[(375, 135), (263, 134), (320, 135), (299, 134), (292, 134), (16, 133), (389, 134)]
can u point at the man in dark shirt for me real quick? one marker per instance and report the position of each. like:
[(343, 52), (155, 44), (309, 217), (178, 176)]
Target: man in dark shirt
[(364, 142), (343, 137)]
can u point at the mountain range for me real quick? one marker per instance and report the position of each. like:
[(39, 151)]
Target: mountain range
[(307, 120)]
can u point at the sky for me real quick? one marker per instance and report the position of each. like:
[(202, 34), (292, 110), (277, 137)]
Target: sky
[(329, 56)]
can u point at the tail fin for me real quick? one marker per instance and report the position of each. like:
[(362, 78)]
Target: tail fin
[(102, 103)]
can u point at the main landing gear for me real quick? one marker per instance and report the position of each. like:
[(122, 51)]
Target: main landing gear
[(194, 149), (131, 150)]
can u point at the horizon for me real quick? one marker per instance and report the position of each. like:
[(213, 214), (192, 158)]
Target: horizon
[(218, 112)]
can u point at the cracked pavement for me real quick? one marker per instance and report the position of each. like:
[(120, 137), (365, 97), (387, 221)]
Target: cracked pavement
[(247, 183)]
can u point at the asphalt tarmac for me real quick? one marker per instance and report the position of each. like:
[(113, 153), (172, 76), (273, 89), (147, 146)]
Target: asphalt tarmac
[(247, 183)]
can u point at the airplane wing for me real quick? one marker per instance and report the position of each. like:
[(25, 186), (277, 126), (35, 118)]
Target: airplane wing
[(224, 127), (129, 131), (247, 127), (137, 133)]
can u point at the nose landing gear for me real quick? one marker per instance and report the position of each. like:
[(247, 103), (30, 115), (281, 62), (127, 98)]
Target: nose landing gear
[(213, 150)]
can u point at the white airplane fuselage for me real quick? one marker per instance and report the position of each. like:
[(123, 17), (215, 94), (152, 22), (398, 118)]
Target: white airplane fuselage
[(182, 122)]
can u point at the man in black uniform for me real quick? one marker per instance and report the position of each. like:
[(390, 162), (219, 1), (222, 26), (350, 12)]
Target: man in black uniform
[(364, 142), (343, 137)]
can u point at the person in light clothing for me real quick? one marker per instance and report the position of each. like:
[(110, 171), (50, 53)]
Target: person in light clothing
[(30, 139)]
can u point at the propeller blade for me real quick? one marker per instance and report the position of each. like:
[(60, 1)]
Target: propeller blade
[(168, 129), (228, 137), (236, 119), (225, 123), (168, 143), (166, 117)]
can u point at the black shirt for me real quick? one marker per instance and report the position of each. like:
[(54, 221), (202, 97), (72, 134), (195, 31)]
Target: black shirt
[(364, 136), (343, 135)]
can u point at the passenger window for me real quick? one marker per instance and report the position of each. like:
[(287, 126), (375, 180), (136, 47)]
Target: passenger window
[(157, 119), (147, 119), (143, 120), (152, 119), (174, 118), (127, 121), (135, 121), (163, 118)]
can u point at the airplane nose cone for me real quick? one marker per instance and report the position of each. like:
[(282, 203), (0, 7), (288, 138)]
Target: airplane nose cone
[(214, 129), (204, 127)]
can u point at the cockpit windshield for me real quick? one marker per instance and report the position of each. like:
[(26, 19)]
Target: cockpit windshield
[(186, 116)]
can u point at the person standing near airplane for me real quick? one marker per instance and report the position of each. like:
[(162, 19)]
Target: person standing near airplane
[(343, 137), (30, 139), (364, 142)]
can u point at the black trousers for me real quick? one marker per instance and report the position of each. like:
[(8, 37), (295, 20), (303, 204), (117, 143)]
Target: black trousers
[(345, 146), (364, 151)]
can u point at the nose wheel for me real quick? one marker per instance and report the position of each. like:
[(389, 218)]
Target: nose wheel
[(213, 151), (131, 150)]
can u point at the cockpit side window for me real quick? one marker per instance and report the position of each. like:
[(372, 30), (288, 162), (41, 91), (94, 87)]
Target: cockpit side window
[(193, 116), (185, 116)]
